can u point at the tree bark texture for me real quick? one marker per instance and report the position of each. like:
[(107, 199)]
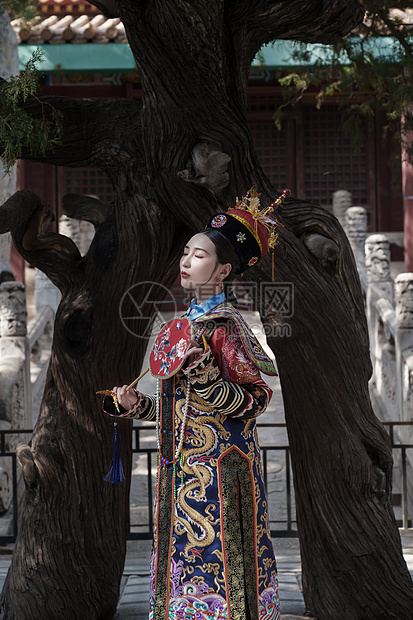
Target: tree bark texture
[(182, 155)]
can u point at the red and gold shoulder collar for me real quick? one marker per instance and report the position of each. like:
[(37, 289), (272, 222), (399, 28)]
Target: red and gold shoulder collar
[(255, 352)]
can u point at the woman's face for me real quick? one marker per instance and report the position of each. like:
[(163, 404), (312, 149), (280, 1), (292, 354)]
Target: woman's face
[(199, 264)]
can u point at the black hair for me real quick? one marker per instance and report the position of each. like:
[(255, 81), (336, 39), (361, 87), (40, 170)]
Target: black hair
[(226, 253)]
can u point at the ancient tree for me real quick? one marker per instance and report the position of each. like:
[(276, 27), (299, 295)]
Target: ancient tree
[(180, 155)]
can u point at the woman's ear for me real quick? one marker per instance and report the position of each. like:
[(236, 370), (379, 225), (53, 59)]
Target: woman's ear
[(225, 270)]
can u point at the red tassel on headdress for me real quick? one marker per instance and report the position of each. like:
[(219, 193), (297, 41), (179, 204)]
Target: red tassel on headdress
[(115, 474)]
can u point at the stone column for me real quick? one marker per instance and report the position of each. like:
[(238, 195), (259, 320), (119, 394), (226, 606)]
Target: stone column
[(87, 232), (356, 230), (342, 200), (380, 288), (45, 292), (9, 65), (404, 300), (15, 355), (377, 250), (404, 347), (70, 228)]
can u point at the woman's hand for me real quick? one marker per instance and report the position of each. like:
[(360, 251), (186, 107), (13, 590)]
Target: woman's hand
[(193, 352), (126, 399)]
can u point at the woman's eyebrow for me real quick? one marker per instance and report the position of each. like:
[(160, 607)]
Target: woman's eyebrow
[(201, 249)]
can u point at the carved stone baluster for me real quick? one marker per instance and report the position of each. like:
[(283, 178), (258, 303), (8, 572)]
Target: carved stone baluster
[(15, 386), (45, 292), (404, 342), (70, 228), (14, 350), (404, 300), (356, 230), (377, 249), (382, 347), (342, 200)]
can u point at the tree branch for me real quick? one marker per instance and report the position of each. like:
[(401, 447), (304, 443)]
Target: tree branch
[(28, 219), (396, 32), (324, 249), (108, 7), (25, 457), (310, 21), (94, 131), (86, 208)]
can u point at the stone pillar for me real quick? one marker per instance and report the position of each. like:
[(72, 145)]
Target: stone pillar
[(45, 292), (70, 228), (380, 287), (404, 301), (15, 355), (9, 65), (87, 232), (356, 230), (404, 345), (377, 250), (342, 200)]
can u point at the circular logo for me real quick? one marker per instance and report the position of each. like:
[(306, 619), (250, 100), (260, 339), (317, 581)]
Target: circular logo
[(146, 307)]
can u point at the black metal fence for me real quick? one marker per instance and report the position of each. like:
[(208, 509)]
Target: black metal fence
[(140, 518), (286, 527)]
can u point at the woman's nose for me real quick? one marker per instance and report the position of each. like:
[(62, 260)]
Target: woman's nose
[(185, 262)]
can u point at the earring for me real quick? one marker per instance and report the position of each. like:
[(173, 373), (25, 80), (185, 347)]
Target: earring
[(220, 283)]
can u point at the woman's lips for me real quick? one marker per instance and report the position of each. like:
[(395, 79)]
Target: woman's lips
[(184, 275)]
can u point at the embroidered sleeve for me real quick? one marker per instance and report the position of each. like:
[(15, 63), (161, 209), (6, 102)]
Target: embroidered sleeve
[(225, 378), (144, 409)]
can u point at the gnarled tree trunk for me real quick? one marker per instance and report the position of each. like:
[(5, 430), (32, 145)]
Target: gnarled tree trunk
[(184, 154)]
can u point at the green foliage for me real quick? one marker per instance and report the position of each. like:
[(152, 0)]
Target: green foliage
[(371, 70), (18, 129), (25, 9)]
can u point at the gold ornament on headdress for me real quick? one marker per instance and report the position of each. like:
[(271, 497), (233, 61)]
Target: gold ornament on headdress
[(251, 203)]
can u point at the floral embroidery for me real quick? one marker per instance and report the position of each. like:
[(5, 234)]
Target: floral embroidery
[(168, 357), (236, 366), (241, 237)]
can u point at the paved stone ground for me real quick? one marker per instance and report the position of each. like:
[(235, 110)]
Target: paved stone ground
[(133, 603)]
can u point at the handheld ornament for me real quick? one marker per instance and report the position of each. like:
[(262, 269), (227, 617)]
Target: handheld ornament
[(116, 474), (167, 355)]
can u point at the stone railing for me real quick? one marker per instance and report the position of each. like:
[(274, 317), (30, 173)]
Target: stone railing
[(24, 356), (389, 311), (17, 344)]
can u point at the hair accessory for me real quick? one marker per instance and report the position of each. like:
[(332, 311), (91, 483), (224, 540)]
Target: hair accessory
[(251, 231), (218, 221)]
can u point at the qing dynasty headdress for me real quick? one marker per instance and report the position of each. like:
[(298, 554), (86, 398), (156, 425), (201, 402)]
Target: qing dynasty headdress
[(251, 231)]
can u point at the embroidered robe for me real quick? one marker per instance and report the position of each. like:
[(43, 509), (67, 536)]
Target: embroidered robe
[(212, 553)]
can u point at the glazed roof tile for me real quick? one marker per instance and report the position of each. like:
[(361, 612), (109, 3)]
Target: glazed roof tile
[(69, 29)]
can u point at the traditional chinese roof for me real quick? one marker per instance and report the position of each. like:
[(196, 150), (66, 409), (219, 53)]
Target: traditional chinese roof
[(69, 29), (63, 7), (78, 21)]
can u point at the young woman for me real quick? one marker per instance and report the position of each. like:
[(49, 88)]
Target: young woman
[(212, 553)]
